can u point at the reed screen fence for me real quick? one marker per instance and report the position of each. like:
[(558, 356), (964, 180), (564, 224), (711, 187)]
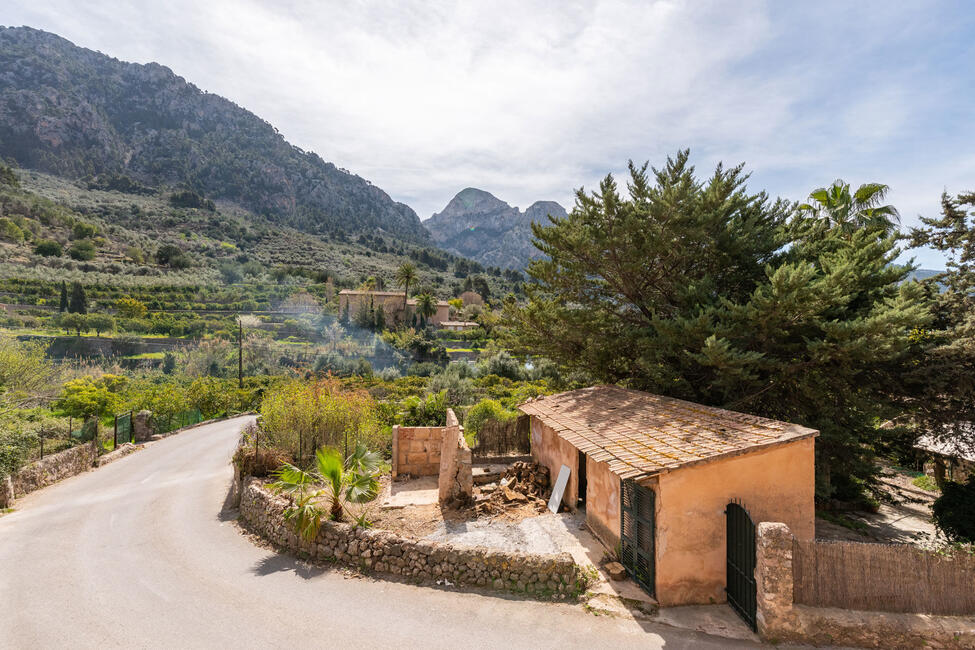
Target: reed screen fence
[(883, 577)]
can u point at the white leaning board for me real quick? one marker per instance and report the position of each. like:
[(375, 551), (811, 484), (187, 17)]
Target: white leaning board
[(559, 489)]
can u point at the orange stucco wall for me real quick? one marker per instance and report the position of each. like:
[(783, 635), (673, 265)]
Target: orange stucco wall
[(603, 502), (553, 452), (775, 484)]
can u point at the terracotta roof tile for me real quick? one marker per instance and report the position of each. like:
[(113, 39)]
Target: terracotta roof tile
[(639, 434)]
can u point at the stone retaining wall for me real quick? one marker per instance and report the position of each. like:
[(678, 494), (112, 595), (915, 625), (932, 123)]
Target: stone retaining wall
[(780, 619), (542, 576), (119, 452), (54, 468)]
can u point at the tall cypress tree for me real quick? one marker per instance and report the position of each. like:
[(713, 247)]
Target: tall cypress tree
[(63, 307), (703, 291), (78, 303)]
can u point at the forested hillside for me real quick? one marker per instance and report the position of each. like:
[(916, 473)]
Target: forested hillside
[(80, 114)]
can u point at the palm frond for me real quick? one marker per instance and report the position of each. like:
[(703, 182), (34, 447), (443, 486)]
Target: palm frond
[(329, 463), (361, 488), (364, 461), (291, 479)]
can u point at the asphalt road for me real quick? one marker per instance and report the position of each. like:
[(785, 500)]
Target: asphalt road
[(143, 553)]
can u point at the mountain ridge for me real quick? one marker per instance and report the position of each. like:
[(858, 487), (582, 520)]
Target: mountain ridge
[(77, 113), (479, 225)]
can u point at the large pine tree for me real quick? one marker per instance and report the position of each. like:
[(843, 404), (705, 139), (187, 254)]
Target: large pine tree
[(940, 391), (703, 291)]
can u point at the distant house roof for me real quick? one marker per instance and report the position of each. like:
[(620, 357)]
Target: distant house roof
[(459, 323), (953, 448), (640, 434)]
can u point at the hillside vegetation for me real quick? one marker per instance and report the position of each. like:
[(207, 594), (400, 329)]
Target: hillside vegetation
[(77, 113)]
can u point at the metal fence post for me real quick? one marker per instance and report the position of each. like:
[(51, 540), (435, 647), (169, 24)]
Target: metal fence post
[(115, 433), (42, 446)]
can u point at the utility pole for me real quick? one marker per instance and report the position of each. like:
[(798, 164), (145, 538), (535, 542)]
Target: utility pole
[(240, 353)]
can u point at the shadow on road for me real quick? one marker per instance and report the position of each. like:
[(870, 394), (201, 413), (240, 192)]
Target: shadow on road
[(275, 563), (229, 511)]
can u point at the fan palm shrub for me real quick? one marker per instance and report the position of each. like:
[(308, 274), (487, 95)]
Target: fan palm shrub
[(328, 487)]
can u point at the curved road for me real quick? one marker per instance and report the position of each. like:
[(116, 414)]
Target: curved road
[(143, 553)]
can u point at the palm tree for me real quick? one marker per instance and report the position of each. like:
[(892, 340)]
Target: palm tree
[(405, 276), (838, 208), (426, 305), (354, 481)]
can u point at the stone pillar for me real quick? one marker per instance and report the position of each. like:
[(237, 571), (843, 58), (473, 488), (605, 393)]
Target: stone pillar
[(142, 426), (6, 492), (395, 463), (773, 575), (456, 480)]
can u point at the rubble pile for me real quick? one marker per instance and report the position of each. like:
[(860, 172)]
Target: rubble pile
[(523, 483)]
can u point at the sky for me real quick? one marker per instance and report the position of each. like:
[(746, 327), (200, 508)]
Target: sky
[(532, 100)]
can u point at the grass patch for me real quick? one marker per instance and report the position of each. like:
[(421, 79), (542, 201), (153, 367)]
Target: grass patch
[(845, 522), (147, 355), (926, 483)]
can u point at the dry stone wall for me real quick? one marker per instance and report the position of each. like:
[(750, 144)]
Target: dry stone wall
[(542, 576), (54, 468)]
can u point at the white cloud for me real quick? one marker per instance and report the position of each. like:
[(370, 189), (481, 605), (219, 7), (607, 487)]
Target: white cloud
[(530, 100)]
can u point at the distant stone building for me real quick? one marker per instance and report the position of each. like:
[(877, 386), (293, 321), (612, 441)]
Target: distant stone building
[(391, 303), (951, 460), (300, 302), (458, 325)]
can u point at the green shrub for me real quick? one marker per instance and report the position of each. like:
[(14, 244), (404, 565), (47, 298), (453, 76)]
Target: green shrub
[(15, 449), (300, 415), (503, 365), (9, 231), (82, 250), (455, 380), (486, 409), (190, 199), (82, 230), (86, 397), (48, 248), (925, 482), (954, 511), (429, 411)]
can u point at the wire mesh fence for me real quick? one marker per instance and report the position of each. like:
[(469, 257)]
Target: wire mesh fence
[(165, 424), (122, 432)]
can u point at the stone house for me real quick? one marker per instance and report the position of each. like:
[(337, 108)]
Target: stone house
[(391, 302), (458, 325), (949, 459), (656, 476)]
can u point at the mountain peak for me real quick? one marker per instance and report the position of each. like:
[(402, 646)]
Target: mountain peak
[(481, 226), (472, 201)]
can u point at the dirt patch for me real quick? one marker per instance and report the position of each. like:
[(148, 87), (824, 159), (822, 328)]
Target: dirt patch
[(903, 517), (521, 493)]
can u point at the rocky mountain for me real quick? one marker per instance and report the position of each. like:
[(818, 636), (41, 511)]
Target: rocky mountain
[(478, 225), (77, 113)]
